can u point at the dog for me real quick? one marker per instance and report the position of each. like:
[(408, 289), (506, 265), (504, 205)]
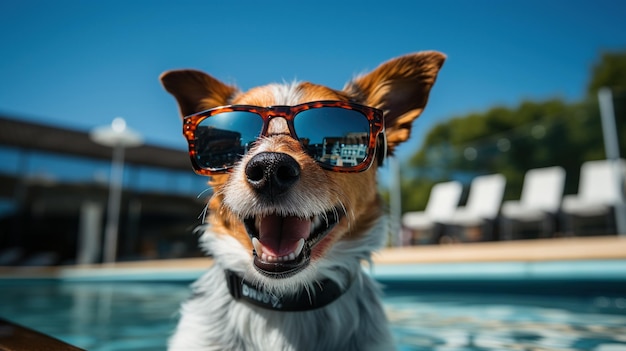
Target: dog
[(294, 212)]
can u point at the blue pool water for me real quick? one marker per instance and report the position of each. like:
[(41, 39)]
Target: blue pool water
[(126, 316), (508, 322)]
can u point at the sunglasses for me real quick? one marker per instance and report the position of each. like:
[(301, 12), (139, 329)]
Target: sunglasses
[(340, 136)]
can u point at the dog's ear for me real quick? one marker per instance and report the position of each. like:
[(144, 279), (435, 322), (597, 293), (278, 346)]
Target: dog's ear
[(400, 88), (196, 91)]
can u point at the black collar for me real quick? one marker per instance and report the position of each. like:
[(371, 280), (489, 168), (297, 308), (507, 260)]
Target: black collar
[(323, 293)]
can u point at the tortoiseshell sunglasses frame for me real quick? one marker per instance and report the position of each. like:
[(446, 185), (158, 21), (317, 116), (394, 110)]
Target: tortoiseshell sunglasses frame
[(373, 115)]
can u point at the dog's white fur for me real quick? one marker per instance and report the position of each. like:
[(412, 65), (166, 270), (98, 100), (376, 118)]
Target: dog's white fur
[(212, 319)]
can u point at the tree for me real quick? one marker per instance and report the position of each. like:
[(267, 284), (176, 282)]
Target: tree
[(610, 72)]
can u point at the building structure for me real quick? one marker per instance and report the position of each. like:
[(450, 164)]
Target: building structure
[(53, 197)]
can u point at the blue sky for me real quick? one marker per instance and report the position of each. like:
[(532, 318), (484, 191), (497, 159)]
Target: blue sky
[(79, 64)]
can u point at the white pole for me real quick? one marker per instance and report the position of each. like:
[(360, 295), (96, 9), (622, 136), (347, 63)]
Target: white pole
[(611, 145), (113, 209), (119, 137), (395, 203)]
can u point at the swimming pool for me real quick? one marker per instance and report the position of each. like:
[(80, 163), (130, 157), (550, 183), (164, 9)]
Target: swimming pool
[(425, 315)]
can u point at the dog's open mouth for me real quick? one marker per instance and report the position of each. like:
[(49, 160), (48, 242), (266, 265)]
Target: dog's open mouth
[(282, 244)]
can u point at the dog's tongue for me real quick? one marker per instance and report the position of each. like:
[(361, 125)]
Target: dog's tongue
[(280, 235)]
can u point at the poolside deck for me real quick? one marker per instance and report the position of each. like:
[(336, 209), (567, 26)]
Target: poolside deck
[(562, 249), (516, 257)]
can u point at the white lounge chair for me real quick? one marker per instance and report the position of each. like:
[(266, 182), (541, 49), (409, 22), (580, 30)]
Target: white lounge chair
[(442, 202), (539, 203), (599, 190), (482, 206)]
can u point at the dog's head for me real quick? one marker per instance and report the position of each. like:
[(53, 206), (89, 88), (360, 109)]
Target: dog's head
[(293, 180)]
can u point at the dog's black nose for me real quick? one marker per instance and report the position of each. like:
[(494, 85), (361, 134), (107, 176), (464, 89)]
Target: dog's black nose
[(272, 173)]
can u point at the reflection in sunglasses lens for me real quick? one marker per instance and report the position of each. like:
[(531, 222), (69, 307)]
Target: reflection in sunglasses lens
[(222, 139), (334, 136)]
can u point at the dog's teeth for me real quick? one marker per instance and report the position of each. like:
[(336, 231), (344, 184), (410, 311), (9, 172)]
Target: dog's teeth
[(298, 250), (257, 247), (315, 223)]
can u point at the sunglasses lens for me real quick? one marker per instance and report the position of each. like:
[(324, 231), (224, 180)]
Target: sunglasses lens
[(334, 136), (222, 139)]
